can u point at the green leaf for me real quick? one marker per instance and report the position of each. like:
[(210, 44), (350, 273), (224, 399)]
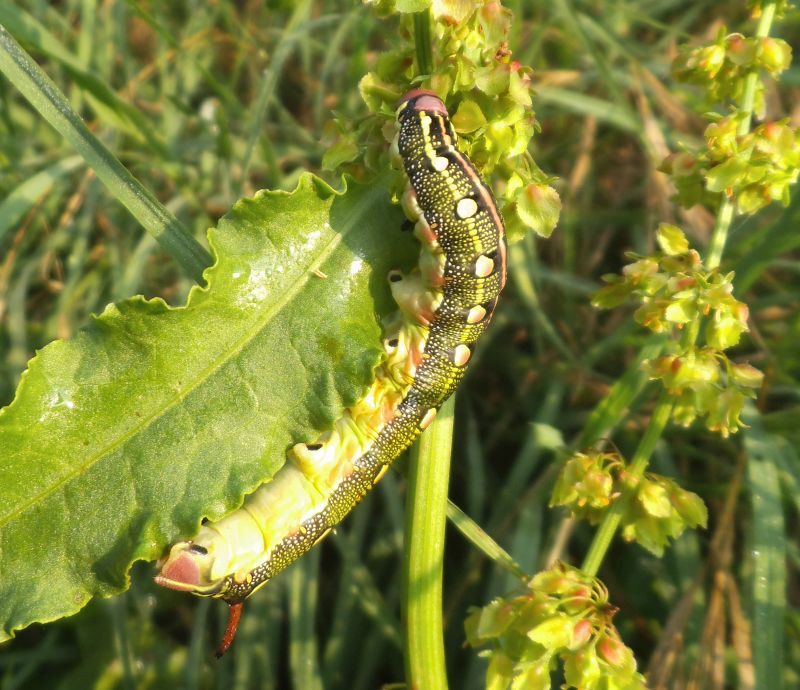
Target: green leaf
[(690, 507), (343, 151), (554, 632), (539, 206), (500, 672), (468, 117), (671, 239), (122, 438), (455, 11), (681, 311), (724, 331), (654, 499), (412, 5), (746, 375), (726, 175)]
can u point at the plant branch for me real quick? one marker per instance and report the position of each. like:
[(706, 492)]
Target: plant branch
[(663, 409), (725, 214)]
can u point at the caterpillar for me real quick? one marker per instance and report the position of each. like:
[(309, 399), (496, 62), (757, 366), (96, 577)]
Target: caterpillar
[(444, 306)]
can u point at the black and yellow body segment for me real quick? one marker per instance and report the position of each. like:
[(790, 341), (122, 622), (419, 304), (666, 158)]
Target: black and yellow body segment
[(445, 306)]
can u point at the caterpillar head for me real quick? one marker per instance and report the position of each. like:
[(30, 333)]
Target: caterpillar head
[(422, 99), (189, 568)]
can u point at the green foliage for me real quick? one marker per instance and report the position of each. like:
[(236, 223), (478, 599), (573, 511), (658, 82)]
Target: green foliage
[(655, 508), (752, 170), (488, 96), (207, 102), (564, 617), (721, 68), (674, 290)]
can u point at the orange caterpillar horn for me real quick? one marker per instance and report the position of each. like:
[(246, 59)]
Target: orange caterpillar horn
[(234, 615)]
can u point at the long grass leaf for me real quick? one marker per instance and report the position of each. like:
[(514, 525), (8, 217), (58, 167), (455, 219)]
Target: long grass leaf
[(768, 542), (23, 198), (46, 97)]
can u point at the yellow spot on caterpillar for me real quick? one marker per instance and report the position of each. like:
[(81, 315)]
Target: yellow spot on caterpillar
[(476, 314), (484, 266), (466, 207), (428, 418), (440, 163), (461, 355)]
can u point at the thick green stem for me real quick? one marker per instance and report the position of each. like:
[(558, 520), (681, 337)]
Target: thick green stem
[(422, 42), (45, 96), (426, 517), (426, 511), (661, 414)]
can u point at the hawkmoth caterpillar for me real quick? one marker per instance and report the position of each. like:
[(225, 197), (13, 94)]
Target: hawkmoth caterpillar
[(444, 306)]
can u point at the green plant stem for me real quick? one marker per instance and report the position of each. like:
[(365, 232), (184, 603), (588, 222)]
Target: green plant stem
[(725, 214), (661, 414), (45, 96), (605, 533), (426, 517), (422, 42)]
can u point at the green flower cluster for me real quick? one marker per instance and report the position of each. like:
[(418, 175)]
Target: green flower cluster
[(565, 615), (656, 511), (696, 380), (674, 289), (751, 170), (487, 93), (722, 67)]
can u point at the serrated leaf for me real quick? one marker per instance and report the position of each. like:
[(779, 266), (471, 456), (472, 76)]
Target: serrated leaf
[(121, 438)]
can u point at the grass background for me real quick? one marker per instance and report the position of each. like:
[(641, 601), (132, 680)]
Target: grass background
[(208, 101)]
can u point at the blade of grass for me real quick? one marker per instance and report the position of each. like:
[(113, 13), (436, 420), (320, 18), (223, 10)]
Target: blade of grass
[(303, 653), (280, 54), (581, 104), (24, 196), (475, 534), (113, 109), (45, 96), (768, 542)]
